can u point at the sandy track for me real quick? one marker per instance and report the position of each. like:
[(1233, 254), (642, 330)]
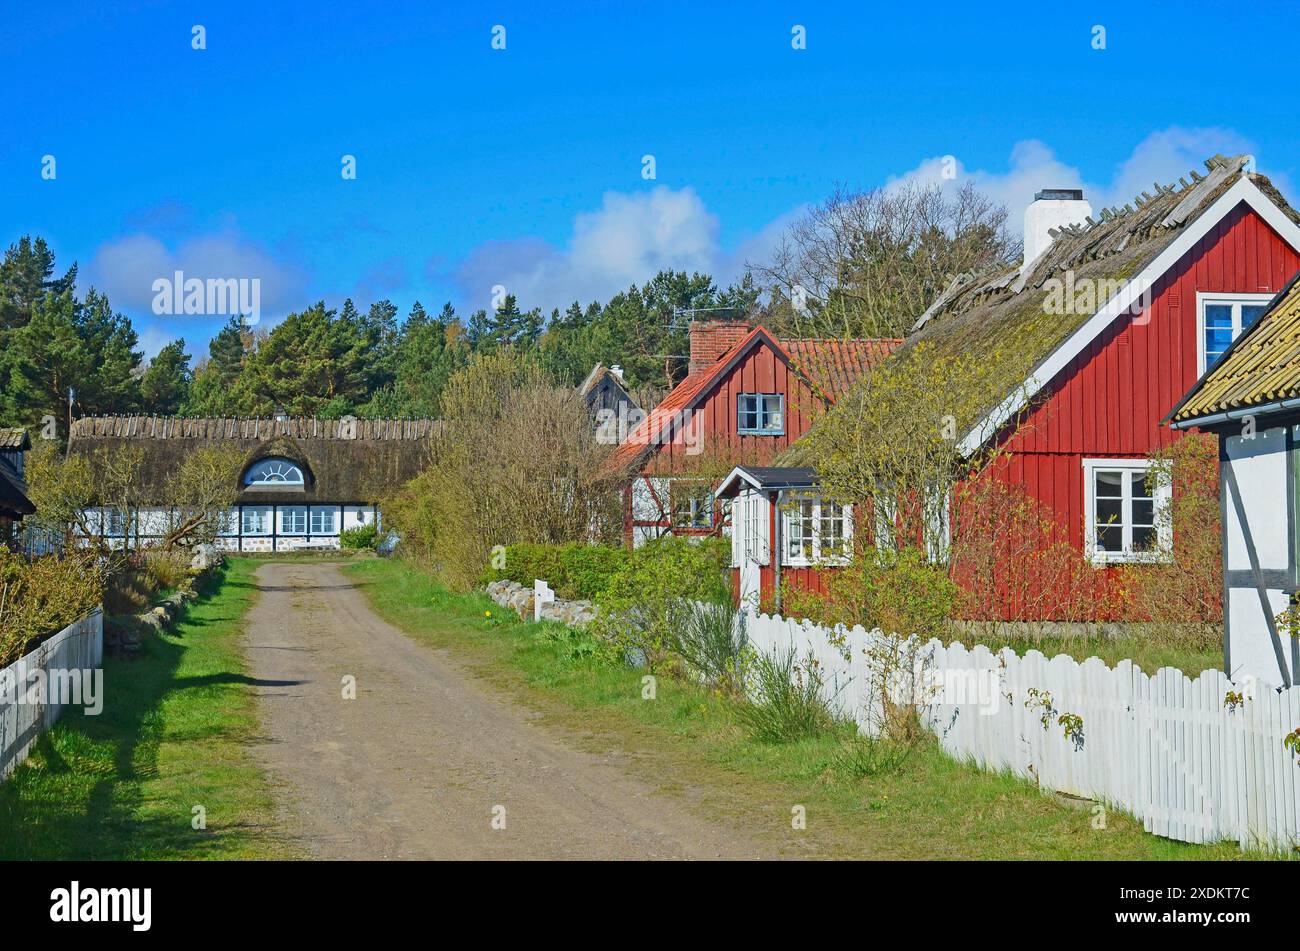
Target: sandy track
[(414, 766)]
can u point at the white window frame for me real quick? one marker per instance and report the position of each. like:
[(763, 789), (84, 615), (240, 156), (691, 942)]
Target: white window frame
[(762, 413), (749, 530), (817, 557), (1204, 298), (291, 475), (228, 523), (266, 514), (285, 512), (700, 517), (334, 516), (1162, 496)]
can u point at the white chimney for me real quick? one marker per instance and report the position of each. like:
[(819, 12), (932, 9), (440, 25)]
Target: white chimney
[(617, 371), (1052, 208)]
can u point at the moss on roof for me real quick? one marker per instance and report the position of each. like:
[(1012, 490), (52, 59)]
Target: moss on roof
[(1003, 316)]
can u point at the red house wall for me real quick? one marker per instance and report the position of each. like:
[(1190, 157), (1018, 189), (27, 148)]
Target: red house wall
[(759, 371), (1109, 402)]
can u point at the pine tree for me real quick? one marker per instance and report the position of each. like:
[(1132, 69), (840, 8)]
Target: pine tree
[(165, 385)]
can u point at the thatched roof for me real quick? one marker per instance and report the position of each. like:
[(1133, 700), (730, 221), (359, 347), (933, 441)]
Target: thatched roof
[(357, 461), (1002, 320), (1006, 311)]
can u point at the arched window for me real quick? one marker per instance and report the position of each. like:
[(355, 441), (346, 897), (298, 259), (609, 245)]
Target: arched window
[(273, 472)]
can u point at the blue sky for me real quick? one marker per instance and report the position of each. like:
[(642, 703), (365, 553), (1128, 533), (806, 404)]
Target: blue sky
[(523, 167)]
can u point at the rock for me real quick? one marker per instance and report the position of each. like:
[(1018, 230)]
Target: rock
[(204, 557), (519, 598), (153, 620)]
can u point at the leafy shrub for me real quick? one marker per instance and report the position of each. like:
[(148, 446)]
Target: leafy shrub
[(43, 596), (1183, 595), (787, 699), (899, 592), (513, 462), (574, 570), (646, 604), (362, 536)]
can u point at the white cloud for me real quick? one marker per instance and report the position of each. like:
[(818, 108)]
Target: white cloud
[(1164, 156), (126, 268), (629, 239)]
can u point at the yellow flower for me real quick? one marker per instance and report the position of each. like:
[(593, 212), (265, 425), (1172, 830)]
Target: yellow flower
[(487, 613)]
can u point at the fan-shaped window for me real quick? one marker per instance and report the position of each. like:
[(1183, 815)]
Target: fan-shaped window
[(273, 472)]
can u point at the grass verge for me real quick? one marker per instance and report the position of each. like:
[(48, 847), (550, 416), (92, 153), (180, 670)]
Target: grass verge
[(688, 741), (175, 734)]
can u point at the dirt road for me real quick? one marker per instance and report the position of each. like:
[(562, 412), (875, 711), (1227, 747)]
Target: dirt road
[(428, 763)]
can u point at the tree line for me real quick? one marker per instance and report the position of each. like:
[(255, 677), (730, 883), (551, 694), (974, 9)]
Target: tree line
[(861, 264), (319, 361)]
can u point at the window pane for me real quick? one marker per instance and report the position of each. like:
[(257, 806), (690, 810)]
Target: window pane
[(1110, 512), (1217, 342), (293, 521), (1144, 537), (1250, 313), (1109, 484), (1110, 538), (1218, 315), (772, 413), (1143, 512), (1138, 485)]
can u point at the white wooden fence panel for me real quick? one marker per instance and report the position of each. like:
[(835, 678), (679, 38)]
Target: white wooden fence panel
[(1165, 748), (79, 646)]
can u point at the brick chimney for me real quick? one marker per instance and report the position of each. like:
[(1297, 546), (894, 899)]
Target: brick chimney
[(710, 339)]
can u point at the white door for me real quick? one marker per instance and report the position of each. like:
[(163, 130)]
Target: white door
[(749, 584)]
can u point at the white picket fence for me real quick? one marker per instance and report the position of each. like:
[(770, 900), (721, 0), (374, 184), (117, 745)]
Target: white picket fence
[(79, 646), (1165, 748)]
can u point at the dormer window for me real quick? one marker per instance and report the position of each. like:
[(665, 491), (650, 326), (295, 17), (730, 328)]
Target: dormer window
[(280, 473)]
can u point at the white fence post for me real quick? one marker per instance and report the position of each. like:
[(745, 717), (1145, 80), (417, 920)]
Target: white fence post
[(542, 594)]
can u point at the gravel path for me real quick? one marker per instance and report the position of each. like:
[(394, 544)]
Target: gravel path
[(423, 760)]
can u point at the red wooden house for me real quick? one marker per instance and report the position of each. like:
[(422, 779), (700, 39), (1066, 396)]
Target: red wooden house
[(747, 397), (1161, 288)]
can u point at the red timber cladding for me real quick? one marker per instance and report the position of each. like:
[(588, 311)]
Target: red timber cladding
[(1110, 400), (761, 371)]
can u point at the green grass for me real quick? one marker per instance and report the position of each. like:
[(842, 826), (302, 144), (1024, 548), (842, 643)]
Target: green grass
[(1149, 653), (688, 740), (175, 733)]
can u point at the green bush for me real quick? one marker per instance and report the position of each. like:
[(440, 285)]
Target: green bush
[(573, 571), (43, 596), (646, 604), (363, 536), (712, 641)]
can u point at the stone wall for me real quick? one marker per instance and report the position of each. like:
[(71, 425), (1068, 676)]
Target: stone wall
[(517, 597)]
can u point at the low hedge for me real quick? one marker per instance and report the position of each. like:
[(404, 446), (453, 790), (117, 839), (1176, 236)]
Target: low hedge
[(583, 571)]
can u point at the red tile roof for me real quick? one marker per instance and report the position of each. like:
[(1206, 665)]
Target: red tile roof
[(831, 365), (835, 365)]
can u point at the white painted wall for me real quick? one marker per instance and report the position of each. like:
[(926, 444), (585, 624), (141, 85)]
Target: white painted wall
[(1258, 466)]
